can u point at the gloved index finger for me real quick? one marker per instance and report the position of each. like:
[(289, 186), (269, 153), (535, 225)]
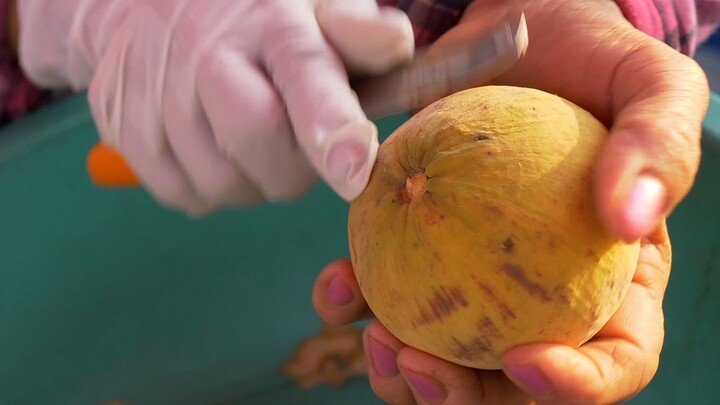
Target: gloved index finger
[(329, 124)]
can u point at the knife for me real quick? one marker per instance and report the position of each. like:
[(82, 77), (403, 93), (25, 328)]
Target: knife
[(431, 75), (434, 74)]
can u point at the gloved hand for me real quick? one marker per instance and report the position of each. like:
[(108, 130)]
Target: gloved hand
[(222, 103)]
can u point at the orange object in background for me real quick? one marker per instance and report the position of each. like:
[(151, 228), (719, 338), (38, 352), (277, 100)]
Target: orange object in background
[(108, 169)]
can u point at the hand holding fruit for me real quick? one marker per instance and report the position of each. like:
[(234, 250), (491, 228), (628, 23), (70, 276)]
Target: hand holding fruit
[(616, 364), (653, 100)]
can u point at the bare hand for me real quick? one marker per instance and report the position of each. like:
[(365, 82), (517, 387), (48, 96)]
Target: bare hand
[(653, 99)]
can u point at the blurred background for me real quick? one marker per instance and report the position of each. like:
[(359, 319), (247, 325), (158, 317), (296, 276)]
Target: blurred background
[(709, 58)]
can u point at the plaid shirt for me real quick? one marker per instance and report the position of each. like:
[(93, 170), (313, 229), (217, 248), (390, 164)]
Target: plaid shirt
[(682, 24), (430, 18)]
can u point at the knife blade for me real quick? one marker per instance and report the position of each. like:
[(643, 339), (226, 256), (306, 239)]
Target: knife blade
[(434, 74)]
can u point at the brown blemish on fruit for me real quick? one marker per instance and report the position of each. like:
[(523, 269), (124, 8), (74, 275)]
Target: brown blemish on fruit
[(470, 350), (481, 137), (487, 326), (446, 301), (508, 245), (518, 274), (562, 295), (443, 303), (437, 256), (433, 218), (496, 210), (424, 318), (462, 350), (363, 222), (505, 312)]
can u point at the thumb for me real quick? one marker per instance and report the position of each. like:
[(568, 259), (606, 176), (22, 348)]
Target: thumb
[(608, 372), (650, 161)]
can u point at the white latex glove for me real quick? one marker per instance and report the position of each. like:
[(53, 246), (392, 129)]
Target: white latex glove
[(222, 103)]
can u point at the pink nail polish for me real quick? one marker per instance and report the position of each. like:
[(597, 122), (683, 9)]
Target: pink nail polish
[(644, 205), (531, 380), (428, 388), (383, 359), (338, 293)]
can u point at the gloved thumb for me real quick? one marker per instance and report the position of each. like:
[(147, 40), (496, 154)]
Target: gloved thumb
[(370, 39)]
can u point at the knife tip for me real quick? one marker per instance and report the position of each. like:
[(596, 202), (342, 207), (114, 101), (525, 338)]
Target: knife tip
[(521, 36)]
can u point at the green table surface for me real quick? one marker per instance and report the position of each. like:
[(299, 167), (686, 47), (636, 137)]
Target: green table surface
[(105, 295)]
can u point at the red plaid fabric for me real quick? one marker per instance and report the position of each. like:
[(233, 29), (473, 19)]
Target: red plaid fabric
[(430, 18), (682, 24), (17, 95)]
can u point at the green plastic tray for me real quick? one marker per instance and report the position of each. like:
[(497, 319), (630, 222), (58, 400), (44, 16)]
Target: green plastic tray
[(106, 296)]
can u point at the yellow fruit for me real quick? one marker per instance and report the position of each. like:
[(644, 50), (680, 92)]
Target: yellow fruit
[(477, 231)]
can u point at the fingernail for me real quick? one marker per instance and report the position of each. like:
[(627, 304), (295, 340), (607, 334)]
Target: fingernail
[(531, 380), (338, 292), (347, 160), (645, 204), (428, 388), (383, 359)]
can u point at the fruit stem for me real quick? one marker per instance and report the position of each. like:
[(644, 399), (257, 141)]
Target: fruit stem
[(415, 185)]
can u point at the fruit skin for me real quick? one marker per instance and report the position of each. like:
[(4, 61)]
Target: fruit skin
[(477, 231)]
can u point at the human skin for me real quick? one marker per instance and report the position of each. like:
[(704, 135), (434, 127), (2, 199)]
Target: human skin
[(653, 99)]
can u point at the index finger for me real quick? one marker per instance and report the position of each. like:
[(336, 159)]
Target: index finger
[(329, 124)]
